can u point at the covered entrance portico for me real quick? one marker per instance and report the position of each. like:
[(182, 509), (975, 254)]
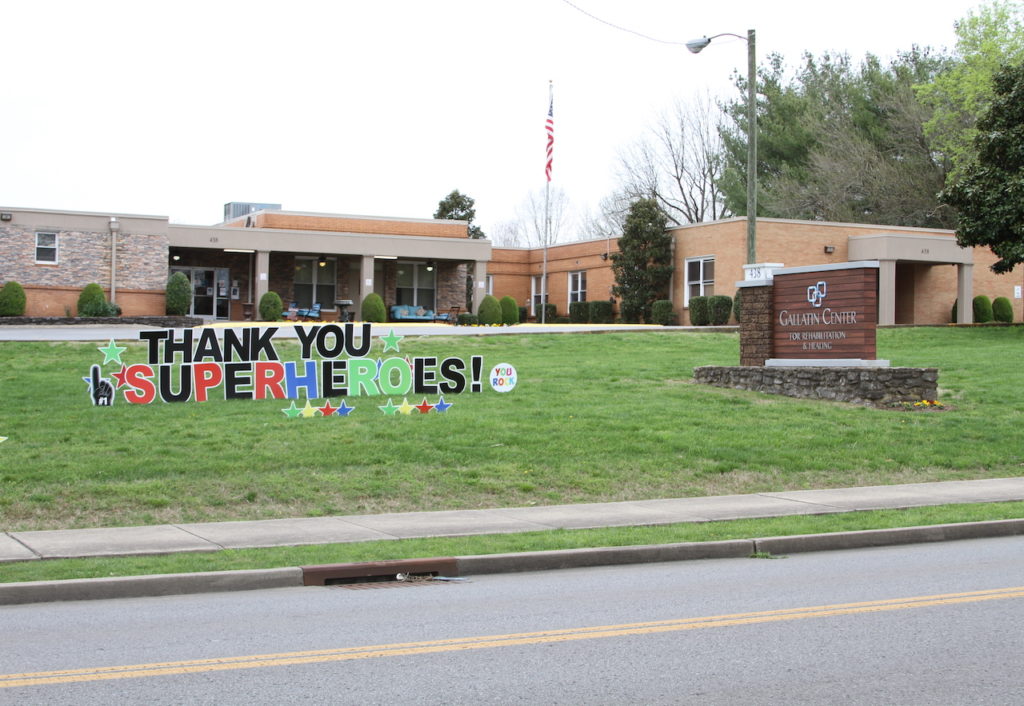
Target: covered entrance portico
[(913, 271)]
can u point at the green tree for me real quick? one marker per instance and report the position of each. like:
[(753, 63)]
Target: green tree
[(459, 207), (841, 142), (643, 265), (12, 299), (178, 294), (989, 198), (986, 40)]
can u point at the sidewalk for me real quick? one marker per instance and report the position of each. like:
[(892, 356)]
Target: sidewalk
[(214, 536)]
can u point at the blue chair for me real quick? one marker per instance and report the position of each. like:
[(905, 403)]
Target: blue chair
[(312, 314)]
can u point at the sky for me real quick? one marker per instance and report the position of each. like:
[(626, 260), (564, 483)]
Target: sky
[(378, 108)]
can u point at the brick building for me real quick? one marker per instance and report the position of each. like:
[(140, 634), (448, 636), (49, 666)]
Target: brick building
[(328, 258)]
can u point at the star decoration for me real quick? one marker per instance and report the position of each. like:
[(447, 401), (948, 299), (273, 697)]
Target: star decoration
[(389, 408), (308, 411), (424, 406), (406, 408), (441, 405), (327, 410), (391, 341), (112, 352), (120, 377), (3, 439), (292, 412), (344, 410)]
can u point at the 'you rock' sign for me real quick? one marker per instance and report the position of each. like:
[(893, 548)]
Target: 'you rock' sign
[(334, 363)]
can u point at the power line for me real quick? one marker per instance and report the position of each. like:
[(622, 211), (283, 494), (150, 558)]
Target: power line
[(622, 29)]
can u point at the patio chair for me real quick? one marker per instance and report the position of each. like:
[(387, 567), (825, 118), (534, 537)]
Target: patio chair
[(311, 314)]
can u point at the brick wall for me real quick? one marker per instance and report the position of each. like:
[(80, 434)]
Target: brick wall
[(756, 344)]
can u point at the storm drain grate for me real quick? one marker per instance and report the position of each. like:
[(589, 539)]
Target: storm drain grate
[(393, 581)]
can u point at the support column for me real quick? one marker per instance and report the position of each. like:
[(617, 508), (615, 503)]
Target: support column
[(262, 274), (479, 283), (756, 305), (365, 284), (965, 294), (886, 292)]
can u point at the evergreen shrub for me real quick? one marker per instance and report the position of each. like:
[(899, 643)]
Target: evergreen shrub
[(719, 309), (373, 309), (92, 302), (700, 311), (560, 320), (982, 309), (271, 307), (579, 312), (12, 299), (1002, 310), (179, 294), (549, 314), (601, 311), (489, 312), (663, 313), (468, 319), (524, 313), (736, 307), (509, 311)]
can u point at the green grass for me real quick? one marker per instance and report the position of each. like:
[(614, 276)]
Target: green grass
[(233, 560), (594, 418)]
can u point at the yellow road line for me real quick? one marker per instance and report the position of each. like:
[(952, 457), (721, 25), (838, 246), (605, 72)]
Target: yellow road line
[(492, 641)]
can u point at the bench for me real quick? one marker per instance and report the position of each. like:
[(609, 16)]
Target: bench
[(408, 312)]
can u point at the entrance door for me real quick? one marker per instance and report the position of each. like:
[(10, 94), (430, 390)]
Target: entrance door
[(210, 291)]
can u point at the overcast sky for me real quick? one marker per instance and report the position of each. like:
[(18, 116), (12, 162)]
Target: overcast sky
[(375, 108)]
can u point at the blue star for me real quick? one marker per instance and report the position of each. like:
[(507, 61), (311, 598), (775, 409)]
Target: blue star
[(344, 410), (441, 405)]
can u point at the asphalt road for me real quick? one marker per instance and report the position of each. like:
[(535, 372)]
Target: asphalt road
[(923, 624)]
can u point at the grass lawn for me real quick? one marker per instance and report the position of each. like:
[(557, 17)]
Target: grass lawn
[(595, 417)]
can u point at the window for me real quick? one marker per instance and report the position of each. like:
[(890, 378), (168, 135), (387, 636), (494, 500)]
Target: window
[(415, 284), (490, 285), (577, 287), (315, 282), (535, 287), (46, 248), (700, 278)]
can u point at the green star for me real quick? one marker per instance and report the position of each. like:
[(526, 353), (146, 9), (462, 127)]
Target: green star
[(389, 408), (292, 412), (112, 352), (391, 341)]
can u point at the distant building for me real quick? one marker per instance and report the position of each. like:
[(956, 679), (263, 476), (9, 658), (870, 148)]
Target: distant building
[(329, 258), (234, 209)]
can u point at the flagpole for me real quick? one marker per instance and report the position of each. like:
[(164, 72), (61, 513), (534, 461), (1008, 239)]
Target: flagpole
[(547, 203)]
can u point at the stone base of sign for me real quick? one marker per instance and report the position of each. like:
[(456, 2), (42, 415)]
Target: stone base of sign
[(871, 386), (826, 363)]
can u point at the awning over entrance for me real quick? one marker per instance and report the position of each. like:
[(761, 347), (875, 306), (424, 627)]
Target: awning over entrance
[(891, 249)]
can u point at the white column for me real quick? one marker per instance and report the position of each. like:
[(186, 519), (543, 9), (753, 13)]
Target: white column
[(965, 294), (365, 283), (262, 274), (479, 283), (886, 292)]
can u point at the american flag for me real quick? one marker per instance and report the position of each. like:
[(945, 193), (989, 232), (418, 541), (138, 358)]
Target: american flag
[(550, 127)]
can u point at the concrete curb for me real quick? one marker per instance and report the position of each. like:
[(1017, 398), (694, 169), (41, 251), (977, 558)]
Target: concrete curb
[(178, 584)]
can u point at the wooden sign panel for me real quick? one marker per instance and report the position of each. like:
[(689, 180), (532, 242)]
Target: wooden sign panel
[(826, 313)]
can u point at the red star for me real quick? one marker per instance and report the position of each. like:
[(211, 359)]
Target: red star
[(424, 406), (327, 410), (120, 377)]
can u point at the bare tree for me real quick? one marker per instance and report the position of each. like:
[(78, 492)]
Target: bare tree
[(508, 234), (532, 212), (679, 165)]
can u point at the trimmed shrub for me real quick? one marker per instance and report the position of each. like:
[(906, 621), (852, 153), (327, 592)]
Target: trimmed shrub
[(373, 309), (509, 311), (467, 319), (549, 314), (736, 308), (601, 311), (700, 311), (524, 313), (982, 309), (663, 313), (270, 307), (12, 300), (489, 312), (579, 312), (1002, 310), (179, 294), (560, 320), (92, 302), (719, 309)]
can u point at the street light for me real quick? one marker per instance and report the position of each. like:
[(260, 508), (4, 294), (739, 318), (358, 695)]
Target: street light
[(695, 46)]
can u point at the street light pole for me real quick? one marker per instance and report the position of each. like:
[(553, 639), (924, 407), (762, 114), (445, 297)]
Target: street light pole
[(695, 46)]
